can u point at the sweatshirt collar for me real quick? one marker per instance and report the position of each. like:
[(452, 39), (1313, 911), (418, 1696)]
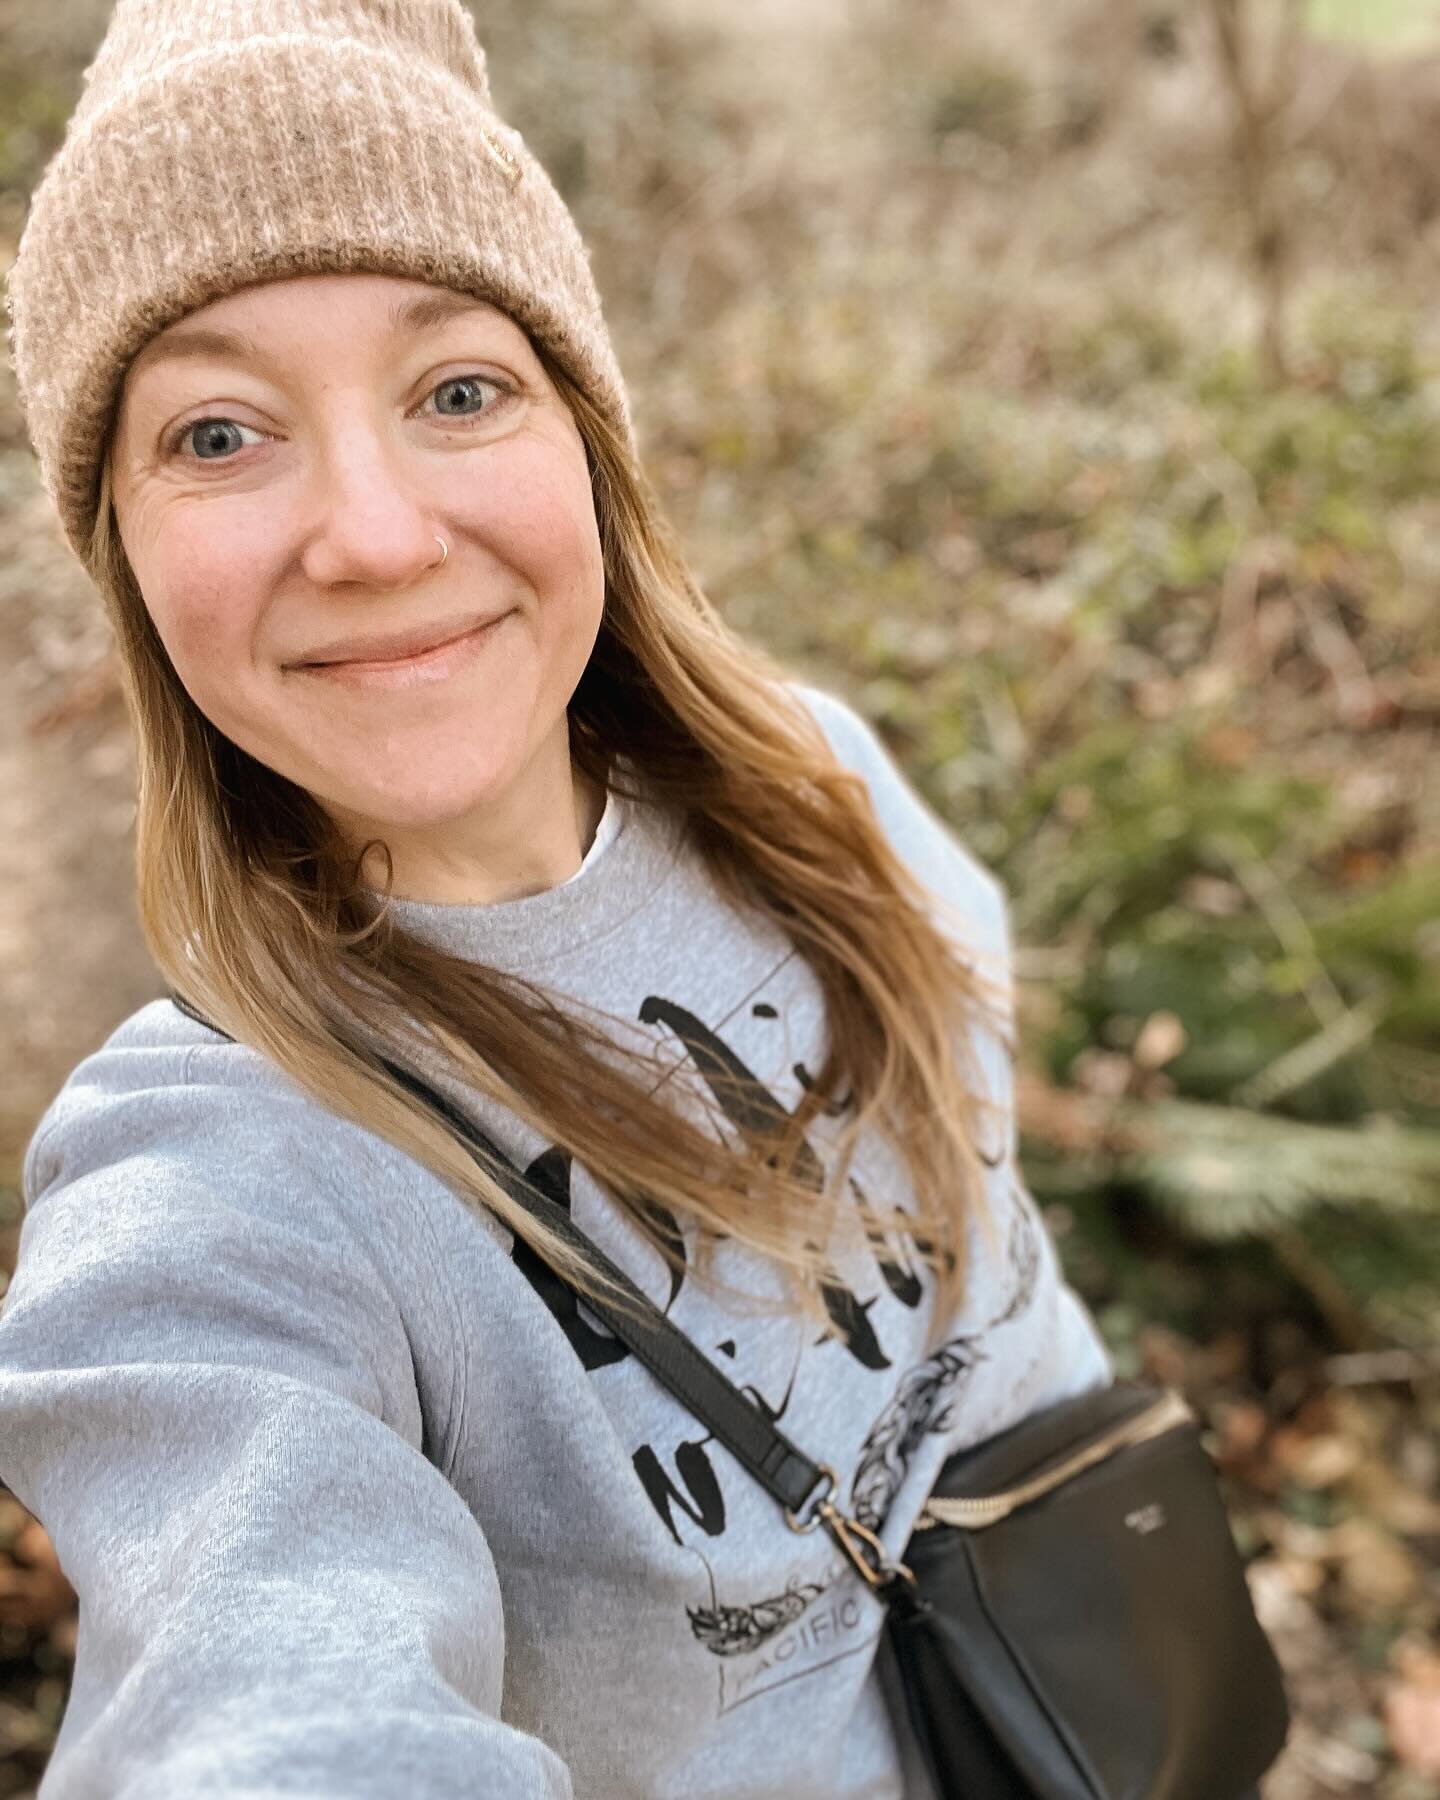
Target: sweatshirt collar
[(541, 930)]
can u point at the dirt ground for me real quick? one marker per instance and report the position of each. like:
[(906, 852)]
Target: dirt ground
[(72, 960)]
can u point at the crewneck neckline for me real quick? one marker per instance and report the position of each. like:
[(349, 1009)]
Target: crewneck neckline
[(542, 930)]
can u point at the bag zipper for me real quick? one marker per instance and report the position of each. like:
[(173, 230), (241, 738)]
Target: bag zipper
[(973, 1515)]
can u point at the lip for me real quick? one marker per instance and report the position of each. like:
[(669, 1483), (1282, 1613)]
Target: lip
[(435, 661), (399, 646)]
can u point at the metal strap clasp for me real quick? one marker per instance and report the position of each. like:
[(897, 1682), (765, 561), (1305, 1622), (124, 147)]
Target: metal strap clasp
[(819, 1498), (864, 1551)]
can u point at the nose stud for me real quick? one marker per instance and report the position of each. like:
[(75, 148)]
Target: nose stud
[(444, 552)]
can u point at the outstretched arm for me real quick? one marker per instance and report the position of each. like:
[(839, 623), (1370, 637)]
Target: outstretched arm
[(208, 1397)]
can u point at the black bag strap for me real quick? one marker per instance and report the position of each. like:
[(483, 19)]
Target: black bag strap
[(785, 1472)]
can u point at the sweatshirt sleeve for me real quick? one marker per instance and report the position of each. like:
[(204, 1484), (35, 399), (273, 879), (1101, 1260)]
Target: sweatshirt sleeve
[(208, 1398), (1055, 1341), (970, 903)]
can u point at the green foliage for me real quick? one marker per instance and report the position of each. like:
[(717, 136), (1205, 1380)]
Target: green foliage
[(1227, 1172), (1382, 23), (1106, 358), (986, 100), (1028, 601), (1389, 1258)]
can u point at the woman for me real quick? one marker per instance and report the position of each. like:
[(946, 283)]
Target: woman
[(445, 759)]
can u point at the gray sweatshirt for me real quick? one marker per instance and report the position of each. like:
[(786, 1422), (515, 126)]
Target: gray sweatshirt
[(359, 1503)]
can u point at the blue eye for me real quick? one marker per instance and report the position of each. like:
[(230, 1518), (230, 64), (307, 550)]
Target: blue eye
[(212, 438), (461, 388)]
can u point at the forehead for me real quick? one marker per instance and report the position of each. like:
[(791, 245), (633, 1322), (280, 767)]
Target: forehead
[(333, 307)]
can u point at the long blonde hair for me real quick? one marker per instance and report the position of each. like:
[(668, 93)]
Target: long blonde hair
[(253, 910)]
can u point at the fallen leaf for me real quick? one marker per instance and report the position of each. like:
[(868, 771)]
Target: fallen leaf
[(35, 1599), (1162, 1038), (1241, 1430), (1377, 1570), (1319, 1461), (1412, 1714), (33, 1546), (1398, 1504), (1165, 1355), (13, 1520)]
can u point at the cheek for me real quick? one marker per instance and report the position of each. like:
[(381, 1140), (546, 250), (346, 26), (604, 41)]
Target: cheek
[(539, 516), (202, 618), (199, 589)]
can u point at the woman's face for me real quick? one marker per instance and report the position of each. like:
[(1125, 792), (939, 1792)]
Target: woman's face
[(284, 463)]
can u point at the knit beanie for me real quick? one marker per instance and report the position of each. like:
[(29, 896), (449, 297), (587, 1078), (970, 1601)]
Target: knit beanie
[(219, 143)]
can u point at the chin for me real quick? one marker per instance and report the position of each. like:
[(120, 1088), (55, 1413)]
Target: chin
[(411, 810)]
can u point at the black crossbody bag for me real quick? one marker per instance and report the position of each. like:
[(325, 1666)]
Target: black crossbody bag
[(1071, 1619)]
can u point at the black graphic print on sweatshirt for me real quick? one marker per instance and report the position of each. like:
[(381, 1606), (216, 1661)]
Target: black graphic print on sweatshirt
[(819, 1612), (736, 1630), (921, 1405)]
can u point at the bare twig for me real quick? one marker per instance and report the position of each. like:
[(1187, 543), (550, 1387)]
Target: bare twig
[(1259, 99), (1306, 1061)]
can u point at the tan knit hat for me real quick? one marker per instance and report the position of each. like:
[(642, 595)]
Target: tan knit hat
[(220, 143)]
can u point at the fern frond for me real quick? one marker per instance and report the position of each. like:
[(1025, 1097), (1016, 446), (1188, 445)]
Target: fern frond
[(1225, 1172)]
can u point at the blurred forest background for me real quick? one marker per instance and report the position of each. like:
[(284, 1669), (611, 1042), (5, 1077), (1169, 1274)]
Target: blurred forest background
[(1059, 381)]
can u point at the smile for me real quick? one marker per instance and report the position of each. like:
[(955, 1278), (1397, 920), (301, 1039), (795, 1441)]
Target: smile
[(435, 664)]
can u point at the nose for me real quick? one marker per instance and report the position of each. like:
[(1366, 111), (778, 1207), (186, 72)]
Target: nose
[(372, 523)]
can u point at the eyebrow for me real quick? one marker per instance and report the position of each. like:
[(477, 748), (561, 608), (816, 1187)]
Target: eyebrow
[(406, 317), (425, 311), (198, 341)]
